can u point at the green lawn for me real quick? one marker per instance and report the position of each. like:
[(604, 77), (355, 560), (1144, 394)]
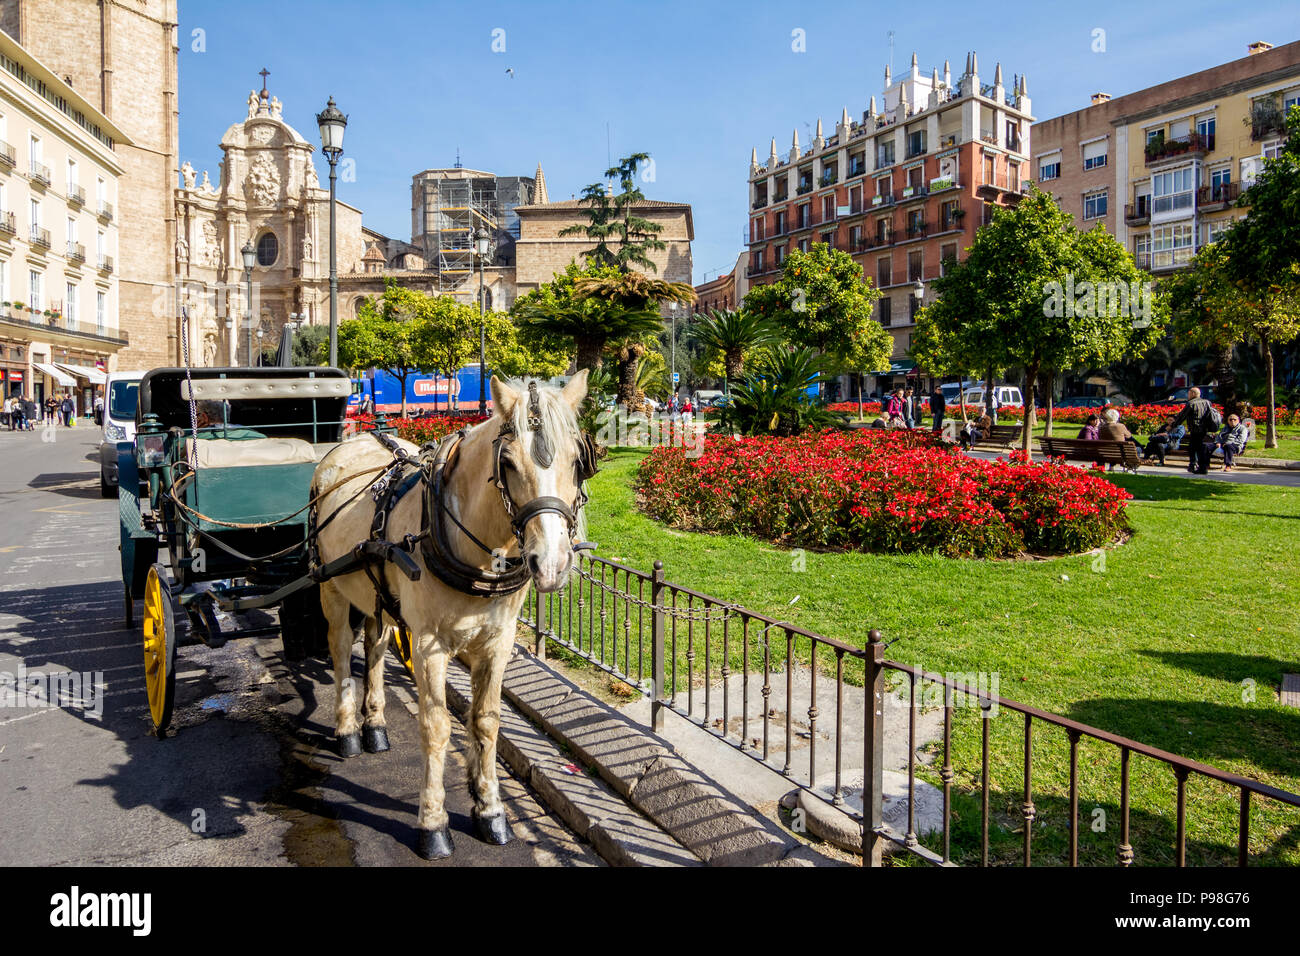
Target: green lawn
[(1157, 643)]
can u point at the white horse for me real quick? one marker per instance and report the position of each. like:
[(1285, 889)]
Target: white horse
[(525, 524)]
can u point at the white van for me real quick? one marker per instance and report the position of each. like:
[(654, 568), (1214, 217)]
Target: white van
[(120, 392), (1005, 394)]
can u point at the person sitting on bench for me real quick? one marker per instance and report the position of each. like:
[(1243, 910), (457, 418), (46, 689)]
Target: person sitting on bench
[(1089, 430), (1115, 430), (1231, 441), (975, 431), (1166, 439)]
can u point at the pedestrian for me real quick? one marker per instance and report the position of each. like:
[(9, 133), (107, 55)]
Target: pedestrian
[(1201, 419), (895, 408), (909, 409), (991, 405), (99, 411), (1231, 441), (975, 431), (66, 410), (51, 407), (938, 406), (8, 411), (31, 414)]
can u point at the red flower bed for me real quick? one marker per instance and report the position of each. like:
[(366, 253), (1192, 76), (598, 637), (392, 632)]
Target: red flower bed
[(1140, 419), (895, 491), (418, 430)]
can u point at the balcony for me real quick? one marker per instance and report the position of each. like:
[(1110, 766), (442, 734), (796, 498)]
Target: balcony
[(1139, 213), (909, 193), (7, 158), (40, 237), (989, 136), (106, 211), (917, 230), (782, 197), (40, 173), (856, 169), (803, 188), (76, 252), (883, 200), (829, 179), (1212, 198), (918, 151), (951, 219), (76, 195), (1267, 119), (1160, 149), (59, 327), (106, 264), (7, 224), (1143, 260), (759, 203), (942, 183)]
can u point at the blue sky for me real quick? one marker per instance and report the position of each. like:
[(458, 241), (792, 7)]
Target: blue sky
[(695, 84)]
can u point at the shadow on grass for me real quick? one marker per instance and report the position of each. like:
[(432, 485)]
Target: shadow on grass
[(1234, 668), (1172, 488)]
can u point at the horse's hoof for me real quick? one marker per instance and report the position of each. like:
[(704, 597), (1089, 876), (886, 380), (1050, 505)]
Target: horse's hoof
[(374, 739), (434, 844), (494, 828), (350, 745)]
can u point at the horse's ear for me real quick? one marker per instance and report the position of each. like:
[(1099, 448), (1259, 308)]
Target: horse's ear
[(575, 389), (503, 398)]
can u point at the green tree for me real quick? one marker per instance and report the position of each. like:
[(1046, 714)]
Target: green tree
[(614, 219), (1036, 294), (599, 227), (821, 301), (311, 345), (733, 335), (511, 353), (381, 335)]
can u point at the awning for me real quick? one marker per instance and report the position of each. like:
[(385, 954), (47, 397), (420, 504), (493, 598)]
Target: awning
[(93, 375), (59, 376), (896, 368)]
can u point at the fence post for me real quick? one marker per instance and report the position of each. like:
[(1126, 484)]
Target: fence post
[(873, 757), (657, 648), (537, 624)]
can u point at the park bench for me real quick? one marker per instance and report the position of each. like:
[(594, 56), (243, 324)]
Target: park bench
[(1001, 436), (1102, 452)]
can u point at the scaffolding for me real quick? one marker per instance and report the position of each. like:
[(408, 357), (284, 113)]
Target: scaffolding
[(459, 207)]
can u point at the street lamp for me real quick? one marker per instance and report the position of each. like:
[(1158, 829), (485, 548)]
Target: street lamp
[(250, 257), (672, 307), (259, 345), (332, 123), (481, 250)]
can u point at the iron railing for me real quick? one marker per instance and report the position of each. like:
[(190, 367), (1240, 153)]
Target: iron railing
[(683, 648)]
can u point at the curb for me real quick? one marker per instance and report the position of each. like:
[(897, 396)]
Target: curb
[(587, 805), (644, 770)]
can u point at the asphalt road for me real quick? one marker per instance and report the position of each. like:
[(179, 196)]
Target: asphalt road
[(248, 775)]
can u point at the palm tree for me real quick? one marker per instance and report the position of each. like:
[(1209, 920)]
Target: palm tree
[(633, 290), (733, 333), (590, 322)]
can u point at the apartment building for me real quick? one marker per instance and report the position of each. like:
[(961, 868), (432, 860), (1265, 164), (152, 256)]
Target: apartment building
[(59, 174), (903, 190), (1162, 168)]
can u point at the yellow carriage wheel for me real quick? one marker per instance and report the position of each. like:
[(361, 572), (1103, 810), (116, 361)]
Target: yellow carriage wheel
[(401, 643), (159, 628)]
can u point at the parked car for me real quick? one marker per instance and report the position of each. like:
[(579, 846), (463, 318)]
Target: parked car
[(1083, 401), (951, 390), (120, 391), (1006, 395), (708, 396), (1179, 395)]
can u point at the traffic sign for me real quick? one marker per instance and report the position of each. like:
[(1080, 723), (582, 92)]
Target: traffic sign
[(677, 377)]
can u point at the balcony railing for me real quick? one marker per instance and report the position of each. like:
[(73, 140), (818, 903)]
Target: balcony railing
[(40, 173), (1191, 143), (64, 326), (8, 224), (951, 219), (1220, 195), (106, 264), (7, 157), (76, 195), (760, 203), (106, 210), (887, 199), (913, 192), (803, 188), (989, 136), (76, 252), (857, 169), (1135, 214), (40, 237), (829, 179), (1143, 260), (915, 230), (919, 151), (781, 197), (1266, 119)]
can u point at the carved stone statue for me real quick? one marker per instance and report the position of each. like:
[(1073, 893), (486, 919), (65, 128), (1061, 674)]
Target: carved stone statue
[(263, 183), (253, 102), (210, 349), (207, 186), (312, 181), (187, 174), (276, 107), (307, 250), (209, 244), (182, 250)]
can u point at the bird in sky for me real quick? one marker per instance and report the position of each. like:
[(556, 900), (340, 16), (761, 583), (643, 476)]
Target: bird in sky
[(511, 72)]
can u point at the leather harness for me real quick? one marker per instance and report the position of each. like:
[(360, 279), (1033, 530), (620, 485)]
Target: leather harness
[(433, 467)]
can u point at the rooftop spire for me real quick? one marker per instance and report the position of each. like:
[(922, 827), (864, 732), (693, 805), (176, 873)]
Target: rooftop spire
[(997, 74), (539, 187), (889, 80)]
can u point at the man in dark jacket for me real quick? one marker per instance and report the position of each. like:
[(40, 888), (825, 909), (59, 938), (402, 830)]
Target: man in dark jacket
[(1198, 416), (938, 406)]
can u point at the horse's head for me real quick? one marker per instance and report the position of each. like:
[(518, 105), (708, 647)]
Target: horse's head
[(541, 458)]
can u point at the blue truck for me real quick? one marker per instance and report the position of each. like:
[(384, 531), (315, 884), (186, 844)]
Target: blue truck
[(424, 390)]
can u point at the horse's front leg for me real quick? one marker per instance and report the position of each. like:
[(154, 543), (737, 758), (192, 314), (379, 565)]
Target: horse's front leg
[(337, 609), (374, 732), (487, 668), (433, 841)]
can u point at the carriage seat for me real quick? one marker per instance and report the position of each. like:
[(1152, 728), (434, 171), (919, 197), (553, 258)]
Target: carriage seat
[(225, 453)]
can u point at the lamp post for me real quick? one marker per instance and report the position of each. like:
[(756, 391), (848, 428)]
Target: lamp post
[(250, 257), (672, 375), (259, 345), (230, 327), (481, 249), (332, 123), (918, 290)]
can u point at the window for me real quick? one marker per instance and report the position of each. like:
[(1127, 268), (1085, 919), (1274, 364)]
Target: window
[(1013, 135), (1013, 176), (1205, 130), (1171, 245), (884, 314), (757, 232), (949, 213), (988, 170), (947, 257), (1094, 205), (72, 174), (99, 246), (34, 289), (36, 214), (72, 235), (1272, 149), (828, 208), (916, 177), (1179, 129), (857, 164), (268, 249), (778, 255), (855, 200), (913, 306), (915, 143), (803, 245), (915, 223), (1094, 155), (4, 281), (804, 215), (884, 268), (1155, 135), (1289, 100), (915, 266), (101, 309), (100, 195), (34, 151), (882, 230), (885, 154), (1049, 169), (1213, 230), (1142, 252), (780, 224), (829, 239), (70, 305), (758, 260), (855, 239), (1220, 177), (1172, 190), (883, 185)]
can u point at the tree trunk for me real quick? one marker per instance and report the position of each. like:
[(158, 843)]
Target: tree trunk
[(988, 392), (1027, 429), (402, 379), (1049, 396), (1270, 433), (860, 416), (734, 360), (627, 390), (1226, 376), (589, 350)]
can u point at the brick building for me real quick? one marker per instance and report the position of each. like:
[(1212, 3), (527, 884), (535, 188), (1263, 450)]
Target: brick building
[(903, 190), (727, 291), (1161, 169)]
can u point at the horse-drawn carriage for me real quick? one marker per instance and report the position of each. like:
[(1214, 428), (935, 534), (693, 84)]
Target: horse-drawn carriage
[(238, 475)]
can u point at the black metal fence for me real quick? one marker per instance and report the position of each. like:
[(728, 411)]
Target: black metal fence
[(748, 678)]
